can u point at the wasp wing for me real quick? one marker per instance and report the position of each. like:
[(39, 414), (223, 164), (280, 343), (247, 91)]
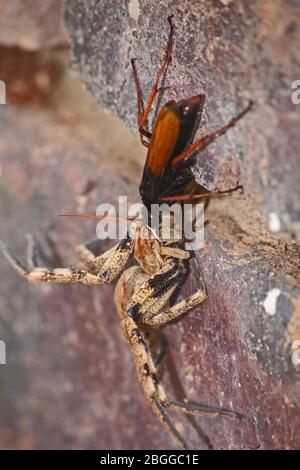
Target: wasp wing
[(173, 131)]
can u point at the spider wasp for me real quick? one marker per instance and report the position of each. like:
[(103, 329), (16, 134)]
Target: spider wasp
[(143, 291)]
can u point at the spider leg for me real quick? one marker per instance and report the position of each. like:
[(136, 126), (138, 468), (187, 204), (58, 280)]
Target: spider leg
[(144, 113), (155, 292), (108, 265), (88, 251), (153, 389), (90, 254), (147, 304), (180, 308), (146, 307), (93, 245), (32, 254), (111, 262), (43, 274), (12, 260), (148, 376)]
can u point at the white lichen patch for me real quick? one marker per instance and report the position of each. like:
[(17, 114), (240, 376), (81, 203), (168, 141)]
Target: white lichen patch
[(189, 373), (274, 222), (134, 9), (296, 352), (270, 301)]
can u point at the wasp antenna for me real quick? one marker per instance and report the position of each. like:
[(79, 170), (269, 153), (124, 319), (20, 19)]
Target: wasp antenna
[(97, 217)]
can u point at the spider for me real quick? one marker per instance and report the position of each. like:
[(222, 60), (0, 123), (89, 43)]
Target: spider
[(144, 291)]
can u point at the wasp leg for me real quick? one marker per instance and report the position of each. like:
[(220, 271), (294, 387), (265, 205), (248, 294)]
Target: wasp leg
[(143, 114), (203, 142), (143, 132), (193, 197)]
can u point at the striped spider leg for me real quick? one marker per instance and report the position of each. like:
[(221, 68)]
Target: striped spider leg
[(100, 269), (142, 303), (142, 295)]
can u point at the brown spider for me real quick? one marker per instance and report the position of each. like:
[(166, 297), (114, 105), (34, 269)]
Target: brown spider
[(141, 296), (143, 292)]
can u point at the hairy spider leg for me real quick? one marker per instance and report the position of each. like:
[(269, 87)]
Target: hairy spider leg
[(146, 307), (105, 268)]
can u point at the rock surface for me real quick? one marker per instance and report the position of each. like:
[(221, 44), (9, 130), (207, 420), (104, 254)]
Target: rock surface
[(33, 24), (69, 381)]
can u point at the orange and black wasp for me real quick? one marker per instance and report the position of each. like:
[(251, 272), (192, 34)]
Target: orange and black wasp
[(168, 172)]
